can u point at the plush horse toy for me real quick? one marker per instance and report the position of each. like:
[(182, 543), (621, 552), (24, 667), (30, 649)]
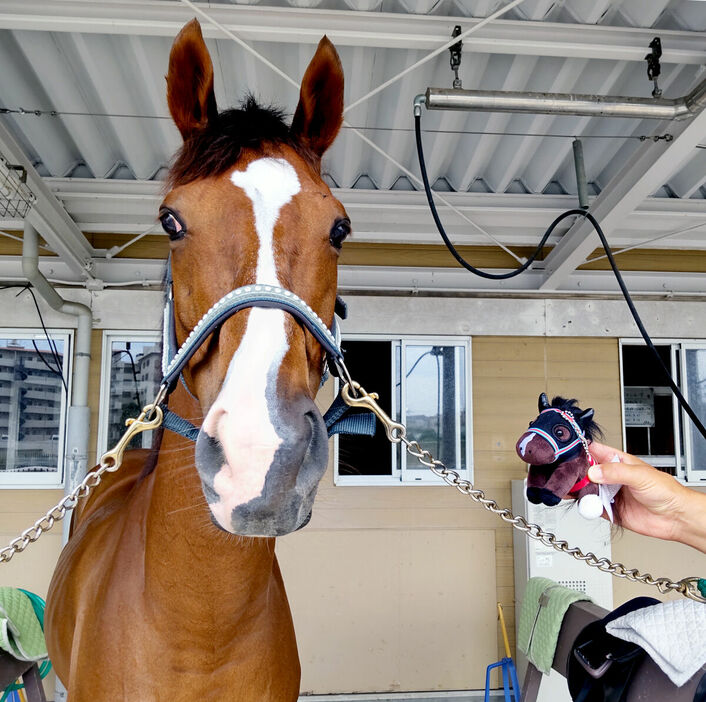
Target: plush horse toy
[(556, 447)]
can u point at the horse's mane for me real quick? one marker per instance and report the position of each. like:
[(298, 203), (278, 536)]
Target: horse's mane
[(591, 429), (215, 148)]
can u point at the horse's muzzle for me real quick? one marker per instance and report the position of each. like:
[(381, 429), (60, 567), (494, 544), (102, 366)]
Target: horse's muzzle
[(535, 450), (249, 498)]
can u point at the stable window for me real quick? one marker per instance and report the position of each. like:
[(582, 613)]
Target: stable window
[(34, 384), (423, 382), (130, 376), (655, 427)]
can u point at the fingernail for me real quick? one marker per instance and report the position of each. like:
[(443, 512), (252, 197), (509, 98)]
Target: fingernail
[(595, 474)]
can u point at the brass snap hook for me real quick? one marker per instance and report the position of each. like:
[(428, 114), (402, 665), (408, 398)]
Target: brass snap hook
[(394, 430), (112, 459)]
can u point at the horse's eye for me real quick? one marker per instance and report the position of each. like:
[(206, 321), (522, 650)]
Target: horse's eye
[(561, 433), (172, 225), (340, 230)]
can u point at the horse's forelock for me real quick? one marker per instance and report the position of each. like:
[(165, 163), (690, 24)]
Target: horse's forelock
[(591, 429), (214, 149)]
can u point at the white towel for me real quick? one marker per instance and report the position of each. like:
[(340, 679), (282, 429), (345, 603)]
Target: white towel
[(672, 633)]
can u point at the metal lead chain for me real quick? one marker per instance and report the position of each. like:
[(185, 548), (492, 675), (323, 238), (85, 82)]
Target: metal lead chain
[(397, 433), (150, 418)]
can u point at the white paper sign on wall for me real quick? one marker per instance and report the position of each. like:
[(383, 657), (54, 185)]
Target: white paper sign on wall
[(639, 407)]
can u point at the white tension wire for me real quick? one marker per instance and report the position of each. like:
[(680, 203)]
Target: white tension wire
[(387, 83)]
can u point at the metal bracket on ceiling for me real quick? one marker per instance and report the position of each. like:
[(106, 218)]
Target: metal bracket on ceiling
[(653, 66), (455, 60)]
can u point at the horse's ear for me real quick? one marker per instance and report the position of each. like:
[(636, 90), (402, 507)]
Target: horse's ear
[(543, 403), (585, 416), (190, 95), (319, 113)]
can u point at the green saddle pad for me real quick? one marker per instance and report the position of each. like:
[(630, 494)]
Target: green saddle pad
[(21, 633)]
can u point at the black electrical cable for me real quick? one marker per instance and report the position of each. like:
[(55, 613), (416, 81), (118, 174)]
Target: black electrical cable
[(44, 360), (50, 342), (648, 341), (569, 213), (444, 236), (416, 363), (134, 373)]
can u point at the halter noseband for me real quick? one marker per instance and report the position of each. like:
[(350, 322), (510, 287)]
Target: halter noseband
[(241, 298), (339, 419)]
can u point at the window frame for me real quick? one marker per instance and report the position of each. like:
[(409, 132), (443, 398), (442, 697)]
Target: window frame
[(683, 470), (50, 480), (689, 469), (109, 336), (397, 476)]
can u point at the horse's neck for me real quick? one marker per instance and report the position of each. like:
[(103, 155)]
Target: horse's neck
[(185, 552)]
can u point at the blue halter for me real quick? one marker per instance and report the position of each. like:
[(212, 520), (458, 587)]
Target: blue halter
[(340, 417), (560, 450)]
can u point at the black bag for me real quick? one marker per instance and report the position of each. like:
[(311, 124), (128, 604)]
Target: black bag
[(601, 666)]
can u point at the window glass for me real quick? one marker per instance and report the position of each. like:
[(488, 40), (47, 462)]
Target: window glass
[(648, 406), (365, 455), (135, 374), (696, 384), (435, 403), (422, 383), (33, 370)]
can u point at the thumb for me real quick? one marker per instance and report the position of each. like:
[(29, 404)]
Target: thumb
[(635, 476)]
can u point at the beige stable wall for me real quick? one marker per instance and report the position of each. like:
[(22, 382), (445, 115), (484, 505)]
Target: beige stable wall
[(395, 588), (19, 509), (659, 558)]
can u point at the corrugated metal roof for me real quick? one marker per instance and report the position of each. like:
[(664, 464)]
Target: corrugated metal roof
[(84, 75), (99, 66)]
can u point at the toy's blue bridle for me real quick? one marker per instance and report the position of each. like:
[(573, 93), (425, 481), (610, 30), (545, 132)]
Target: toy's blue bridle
[(340, 417), (560, 450)]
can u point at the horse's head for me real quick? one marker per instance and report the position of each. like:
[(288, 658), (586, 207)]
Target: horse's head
[(552, 436), (247, 205)]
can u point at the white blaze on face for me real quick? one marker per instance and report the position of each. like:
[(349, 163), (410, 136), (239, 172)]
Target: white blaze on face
[(524, 442), (240, 418)]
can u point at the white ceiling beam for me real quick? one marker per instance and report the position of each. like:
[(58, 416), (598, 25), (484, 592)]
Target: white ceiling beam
[(131, 206), (650, 167), (149, 273), (48, 215), (349, 28), (691, 177), (391, 278), (116, 271)]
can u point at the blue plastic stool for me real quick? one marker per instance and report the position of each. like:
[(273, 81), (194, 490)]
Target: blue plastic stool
[(509, 679)]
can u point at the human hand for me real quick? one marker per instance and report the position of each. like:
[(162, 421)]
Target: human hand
[(651, 502)]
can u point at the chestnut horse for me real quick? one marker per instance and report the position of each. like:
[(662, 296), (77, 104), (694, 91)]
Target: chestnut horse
[(153, 598)]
